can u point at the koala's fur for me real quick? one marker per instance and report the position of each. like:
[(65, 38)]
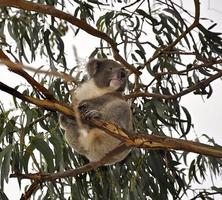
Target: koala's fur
[(101, 97)]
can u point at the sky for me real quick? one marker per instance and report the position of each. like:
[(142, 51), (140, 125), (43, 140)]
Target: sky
[(206, 113)]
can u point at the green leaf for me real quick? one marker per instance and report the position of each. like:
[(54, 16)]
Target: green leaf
[(50, 2), (58, 151), (108, 18), (3, 195), (27, 154), (188, 121), (60, 44), (134, 57), (45, 150), (6, 164), (94, 53), (5, 156), (144, 14), (47, 44), (217, 189)]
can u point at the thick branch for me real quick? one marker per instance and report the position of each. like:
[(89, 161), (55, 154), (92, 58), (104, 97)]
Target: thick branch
[(144, 141), (155, 142), (50, 10), (47, 104)]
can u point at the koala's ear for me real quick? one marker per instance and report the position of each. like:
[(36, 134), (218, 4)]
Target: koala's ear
[(93, 66)]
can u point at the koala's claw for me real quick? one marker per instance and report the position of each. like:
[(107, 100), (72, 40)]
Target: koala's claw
[(83, 107), (88, 112), (92, 114)]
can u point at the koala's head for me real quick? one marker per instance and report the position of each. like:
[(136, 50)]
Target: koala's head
[(107, 74)]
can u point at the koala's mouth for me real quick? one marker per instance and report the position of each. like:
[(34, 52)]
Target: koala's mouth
[(116, 83)]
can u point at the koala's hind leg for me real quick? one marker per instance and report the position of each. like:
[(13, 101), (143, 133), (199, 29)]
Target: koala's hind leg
[(72, 133)]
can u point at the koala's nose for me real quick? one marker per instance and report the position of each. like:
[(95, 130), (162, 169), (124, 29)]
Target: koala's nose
[(122, 73)]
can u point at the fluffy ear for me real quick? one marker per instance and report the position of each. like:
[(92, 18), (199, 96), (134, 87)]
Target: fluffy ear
[(93, 66)]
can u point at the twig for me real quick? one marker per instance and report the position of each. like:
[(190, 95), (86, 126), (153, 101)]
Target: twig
[(18, 66), (32, 188), (14, 68), (195, 66), (39, 119), (192, 88), (173, 44)]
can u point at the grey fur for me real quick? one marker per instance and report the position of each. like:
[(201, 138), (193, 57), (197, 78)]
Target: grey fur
[(100, 97)]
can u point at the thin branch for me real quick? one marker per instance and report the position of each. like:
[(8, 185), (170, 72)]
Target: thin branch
[(32, 188), (192, 88), (43, 117), (179, 38), (195, 66), (50, 10), (18, 70), (41, 177), (18, 66)]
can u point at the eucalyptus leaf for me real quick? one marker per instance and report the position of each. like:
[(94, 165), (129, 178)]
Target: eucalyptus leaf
[(45, 150)]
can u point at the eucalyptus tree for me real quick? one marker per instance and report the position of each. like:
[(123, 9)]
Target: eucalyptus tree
[(170, 52)]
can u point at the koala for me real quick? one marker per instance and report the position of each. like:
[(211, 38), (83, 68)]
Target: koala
[(99, 97)]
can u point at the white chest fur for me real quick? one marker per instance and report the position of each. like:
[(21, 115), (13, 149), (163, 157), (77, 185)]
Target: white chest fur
[(89, 90)]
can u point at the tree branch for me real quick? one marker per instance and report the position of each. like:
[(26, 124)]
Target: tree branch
[(195, 67), (139, 141), (47, 104), (192, 88), (32, 188), (188, 30), (50, 10), (150, 141), (18, 70)]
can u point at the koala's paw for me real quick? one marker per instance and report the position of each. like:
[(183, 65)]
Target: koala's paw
[(87, 112), (83, 107), (92, 114)]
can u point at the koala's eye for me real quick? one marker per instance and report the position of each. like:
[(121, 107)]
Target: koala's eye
[(110, 68), (122, 73)]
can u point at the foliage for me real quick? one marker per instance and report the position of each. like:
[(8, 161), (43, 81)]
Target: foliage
[(145, 35)]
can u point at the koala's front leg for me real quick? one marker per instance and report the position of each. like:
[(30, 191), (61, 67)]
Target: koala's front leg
[(66, 122), (88, 109)]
